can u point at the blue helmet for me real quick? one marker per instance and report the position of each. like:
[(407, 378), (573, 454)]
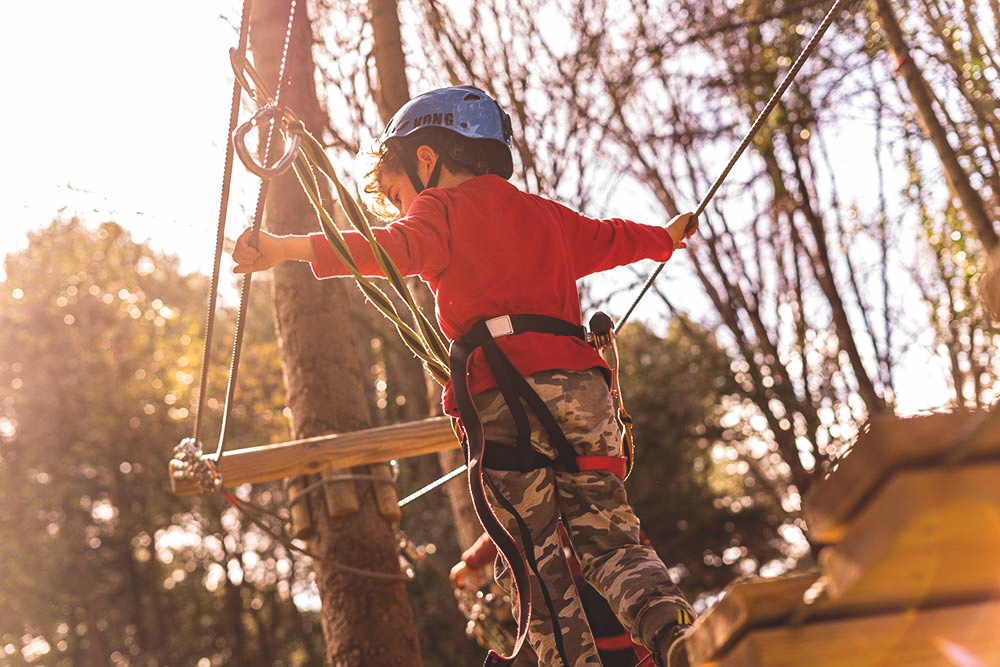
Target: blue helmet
[(468, 112)]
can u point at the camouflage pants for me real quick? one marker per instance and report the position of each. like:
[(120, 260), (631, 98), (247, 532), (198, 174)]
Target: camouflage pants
[(602, 526)]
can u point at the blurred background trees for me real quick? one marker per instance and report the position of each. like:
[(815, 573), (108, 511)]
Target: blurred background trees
[(835, 276)]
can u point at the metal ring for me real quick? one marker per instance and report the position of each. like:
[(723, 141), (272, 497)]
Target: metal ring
[(275, 115)]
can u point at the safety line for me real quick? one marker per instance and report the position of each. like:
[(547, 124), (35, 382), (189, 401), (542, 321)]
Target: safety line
[(433, 485), (227, 177), (258, 218), (751, 133)]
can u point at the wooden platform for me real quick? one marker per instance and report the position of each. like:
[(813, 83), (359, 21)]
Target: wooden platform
[(927, 536), (957, 636), (892, 444), (912, 574)]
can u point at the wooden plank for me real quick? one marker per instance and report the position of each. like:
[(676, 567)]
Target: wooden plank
[(928, 536), (960, 635), (892, 443), (330, 452), (746, 604)]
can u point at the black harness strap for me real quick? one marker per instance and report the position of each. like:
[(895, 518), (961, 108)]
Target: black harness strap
[(513, 387), (519, 388), (474, 446), (529, 555)]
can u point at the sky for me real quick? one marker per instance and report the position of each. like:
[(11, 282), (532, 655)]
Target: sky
[(118, 110)]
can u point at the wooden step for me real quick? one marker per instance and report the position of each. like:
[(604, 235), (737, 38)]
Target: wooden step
[(891, 444), (955, 636), (927, 536), (747, 604)]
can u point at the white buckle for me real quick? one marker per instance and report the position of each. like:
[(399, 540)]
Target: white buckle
[(500, 326)]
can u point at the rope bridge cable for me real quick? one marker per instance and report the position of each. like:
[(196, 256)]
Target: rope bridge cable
[(810, 47), (227, 177), (433, 485), (257, 220), (424, 340), (247, 509)]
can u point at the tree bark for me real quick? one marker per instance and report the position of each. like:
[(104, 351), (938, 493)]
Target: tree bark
[(366, 621), (972, 204), (393, 92)]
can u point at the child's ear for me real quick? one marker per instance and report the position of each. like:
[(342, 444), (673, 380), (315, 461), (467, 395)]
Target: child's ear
[(426, 155)]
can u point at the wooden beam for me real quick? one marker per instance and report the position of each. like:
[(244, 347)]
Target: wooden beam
[(746, 604), (927, 537), (954, 635), (892, 443), (331, 452)]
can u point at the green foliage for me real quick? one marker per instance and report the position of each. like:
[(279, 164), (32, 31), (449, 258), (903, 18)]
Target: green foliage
[(707, 515), (99, 356)]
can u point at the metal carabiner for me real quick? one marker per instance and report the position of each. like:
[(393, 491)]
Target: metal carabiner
[(272, 114), (240, 65), (602, 337)]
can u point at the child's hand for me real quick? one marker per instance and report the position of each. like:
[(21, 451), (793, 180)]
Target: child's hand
[(682, 227), (267, 253), (462, 575)]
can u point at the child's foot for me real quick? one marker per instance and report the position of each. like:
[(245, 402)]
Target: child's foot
[(669, 646)]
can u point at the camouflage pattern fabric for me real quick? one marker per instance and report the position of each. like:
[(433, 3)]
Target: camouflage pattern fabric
[(602, 526)]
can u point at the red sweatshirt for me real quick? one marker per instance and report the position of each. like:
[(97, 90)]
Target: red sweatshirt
[(486, 249)]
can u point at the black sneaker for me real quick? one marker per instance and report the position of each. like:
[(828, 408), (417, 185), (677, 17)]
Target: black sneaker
[(669, 644)]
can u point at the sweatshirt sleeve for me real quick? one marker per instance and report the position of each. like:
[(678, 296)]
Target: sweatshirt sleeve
[(604, 244), (418, 243)]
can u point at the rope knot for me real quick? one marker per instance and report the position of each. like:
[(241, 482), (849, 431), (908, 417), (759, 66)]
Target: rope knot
[(190, 463)]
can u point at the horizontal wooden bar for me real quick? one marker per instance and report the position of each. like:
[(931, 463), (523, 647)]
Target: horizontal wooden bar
[(943, 636), (893, 443), (746, 604), (927, 537), (329, 452)]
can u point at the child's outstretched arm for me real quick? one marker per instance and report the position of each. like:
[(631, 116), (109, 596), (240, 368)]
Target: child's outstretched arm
[(271, 250), (682, 227)]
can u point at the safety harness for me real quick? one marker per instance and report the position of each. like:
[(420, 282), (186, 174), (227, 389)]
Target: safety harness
[(482, 454)]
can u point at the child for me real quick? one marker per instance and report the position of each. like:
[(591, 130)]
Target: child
[(614, 647), (503, 266)]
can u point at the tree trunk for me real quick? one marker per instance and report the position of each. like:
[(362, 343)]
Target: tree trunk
[(972, 204), (393, 92), (366, 621)]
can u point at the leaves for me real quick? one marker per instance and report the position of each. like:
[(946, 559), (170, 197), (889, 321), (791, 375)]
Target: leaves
[(99, 362)]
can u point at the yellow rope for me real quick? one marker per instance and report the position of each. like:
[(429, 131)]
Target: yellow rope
[(423, 339)]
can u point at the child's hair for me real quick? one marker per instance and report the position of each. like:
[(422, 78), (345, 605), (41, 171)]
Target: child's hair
[(461, 155)]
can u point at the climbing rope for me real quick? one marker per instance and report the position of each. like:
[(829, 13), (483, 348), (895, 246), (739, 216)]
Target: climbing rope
[(423, 338), (189, 461), (227, 176), (265, 183), (306, 155), (810, 47)]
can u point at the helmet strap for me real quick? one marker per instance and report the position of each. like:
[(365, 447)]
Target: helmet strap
[(410, 166), (432, 182), (411, 171)]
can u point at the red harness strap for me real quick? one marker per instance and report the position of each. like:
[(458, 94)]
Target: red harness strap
[(613, 464)]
